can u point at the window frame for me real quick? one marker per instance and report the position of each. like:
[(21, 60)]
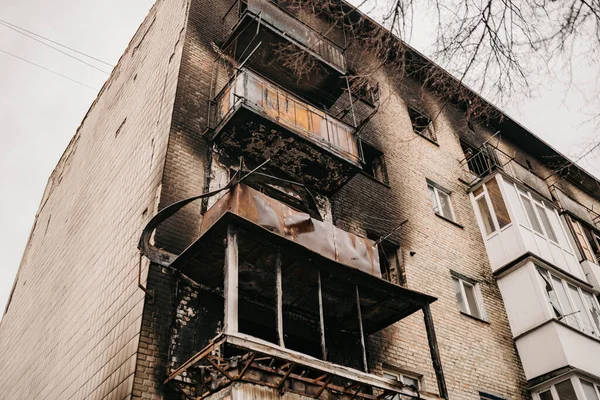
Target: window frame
[(478, 297), (576, 383), (399, 375), (575, 313), (487, 198), (596, 387), (429, 128), (437, 189), (378, 154)]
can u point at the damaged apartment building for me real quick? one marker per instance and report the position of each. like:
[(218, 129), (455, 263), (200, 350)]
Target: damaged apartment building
[(226, 225)]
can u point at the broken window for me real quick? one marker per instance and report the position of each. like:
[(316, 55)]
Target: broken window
[(410, 380), (374, 163), (570, 303), (421, 123)]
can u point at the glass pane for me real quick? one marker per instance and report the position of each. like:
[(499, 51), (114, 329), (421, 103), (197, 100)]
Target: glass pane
[(409, 381), (498, 203), (549, 231), (486, 216), (550, 292), (588, 389), (462, 306), (564, 301), (583, 242), (434, 203), (590, 304), (578, 304), (565, 390), (445, 205), (535, 224), (478, 191), (547, 395), (472, 300)]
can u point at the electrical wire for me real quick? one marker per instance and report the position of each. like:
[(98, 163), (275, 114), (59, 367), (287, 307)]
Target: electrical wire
[(49, 70), (54, 48), (60, 44)]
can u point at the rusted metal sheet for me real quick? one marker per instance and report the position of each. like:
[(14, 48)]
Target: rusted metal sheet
[(286, 110), (320, 237)]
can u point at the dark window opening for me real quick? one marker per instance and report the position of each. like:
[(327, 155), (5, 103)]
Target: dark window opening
[(374, 163), (421, 123), (389, 263)]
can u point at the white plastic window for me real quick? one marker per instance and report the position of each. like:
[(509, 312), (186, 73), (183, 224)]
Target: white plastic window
[(468, 297), (440, 200), (571, 304)]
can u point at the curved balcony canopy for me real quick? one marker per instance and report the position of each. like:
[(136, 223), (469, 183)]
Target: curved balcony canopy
[(282, 36), (256, 119)]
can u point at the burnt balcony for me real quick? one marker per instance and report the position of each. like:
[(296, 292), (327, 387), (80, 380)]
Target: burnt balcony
[(254, 118), (285, 302), (269, 40)]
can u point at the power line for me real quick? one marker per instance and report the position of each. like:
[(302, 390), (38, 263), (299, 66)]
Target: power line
[(54, 48), (49, 70), (60, 44)]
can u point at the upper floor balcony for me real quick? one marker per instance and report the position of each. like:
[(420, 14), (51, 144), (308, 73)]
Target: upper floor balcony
[(554, 318), (257, 119), (517, 222), (274, 42), (286, 302)]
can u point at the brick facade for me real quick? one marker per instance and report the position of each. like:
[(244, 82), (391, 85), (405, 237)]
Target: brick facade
[(90, 332)]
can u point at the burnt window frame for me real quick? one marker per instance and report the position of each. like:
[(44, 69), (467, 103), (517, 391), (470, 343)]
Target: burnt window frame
[(426, 131), (369, 155)]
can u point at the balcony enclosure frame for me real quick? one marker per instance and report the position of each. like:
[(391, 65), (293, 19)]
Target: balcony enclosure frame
[(527, 224), (257, 119), (284, 274), (263, 32)]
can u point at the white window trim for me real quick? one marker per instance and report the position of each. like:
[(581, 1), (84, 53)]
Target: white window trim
[(566, 233), (400, 375), (488, 201), (565, 284), (478, 298), (577, 386), (438, 205)]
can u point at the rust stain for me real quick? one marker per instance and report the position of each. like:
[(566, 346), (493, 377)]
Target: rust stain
[(318, 236)]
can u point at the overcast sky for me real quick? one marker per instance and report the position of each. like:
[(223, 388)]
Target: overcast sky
[(40, 111)]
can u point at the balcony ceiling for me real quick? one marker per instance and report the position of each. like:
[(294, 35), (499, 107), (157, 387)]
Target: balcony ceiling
[(382, 303)]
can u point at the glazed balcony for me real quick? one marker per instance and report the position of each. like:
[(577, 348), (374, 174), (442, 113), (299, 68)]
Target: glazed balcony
[(287, 303), (265, 35), (256, 119)]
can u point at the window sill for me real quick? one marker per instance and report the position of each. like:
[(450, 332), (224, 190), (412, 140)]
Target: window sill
[(428, 139), (449, 220), (363, 173), (475, 318)]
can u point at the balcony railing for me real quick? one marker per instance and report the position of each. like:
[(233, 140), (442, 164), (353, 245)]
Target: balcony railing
[(267, 99), (300, 34)]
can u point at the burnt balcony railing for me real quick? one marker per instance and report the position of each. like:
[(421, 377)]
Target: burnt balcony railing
[(268, 39), (286, 302), (258, 119), (487, 159), (299, 32)]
